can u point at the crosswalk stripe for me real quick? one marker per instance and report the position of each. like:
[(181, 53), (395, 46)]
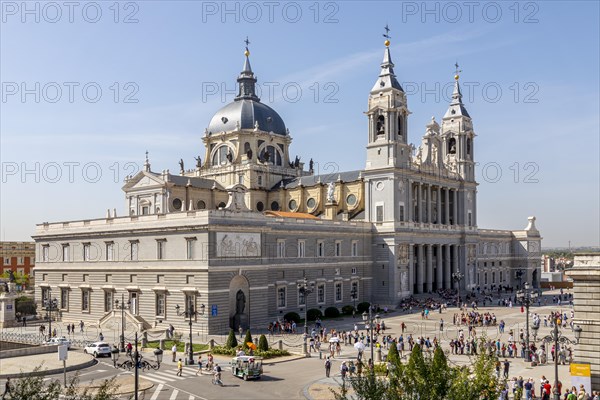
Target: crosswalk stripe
[(157, 392), (170, 375), (174, 394), (158, 380)]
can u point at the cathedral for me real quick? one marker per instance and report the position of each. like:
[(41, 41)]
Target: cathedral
[(235, 238)]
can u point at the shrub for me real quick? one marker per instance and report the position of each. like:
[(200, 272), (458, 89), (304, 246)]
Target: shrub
[(231, 342), (222, 350), (247, 339), (362, 307), (393, 355), (25, 306), (347, 310), (272, 353), (332, 312), (313, 314), (263, 344), (292, 316)]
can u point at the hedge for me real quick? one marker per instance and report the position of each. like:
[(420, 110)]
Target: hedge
[(332, 312), (362, 307), (292, 316), (347, 310), (271, 353), (313, 314)]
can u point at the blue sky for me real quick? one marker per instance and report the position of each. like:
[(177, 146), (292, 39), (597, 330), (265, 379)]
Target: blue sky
[(530, 79)]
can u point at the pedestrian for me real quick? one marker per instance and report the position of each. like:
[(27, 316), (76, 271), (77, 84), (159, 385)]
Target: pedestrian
[(69, 329), (199, 371), (441, 325), (241, 330), (101, 337), (81, 324), (327, 367), (528, 389), (506, 368), (174, 351), (343, 370), (7, 389), (179, 367), (73, 328), (24, 321)]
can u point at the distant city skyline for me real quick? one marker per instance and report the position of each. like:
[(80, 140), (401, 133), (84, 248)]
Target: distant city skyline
[(84, 95)]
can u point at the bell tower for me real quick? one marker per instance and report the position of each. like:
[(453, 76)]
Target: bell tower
[(388, 115), (458, 135)]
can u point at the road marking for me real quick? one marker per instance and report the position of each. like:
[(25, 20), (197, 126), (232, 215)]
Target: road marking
[(157, 392), (157, 380), (174, 394)]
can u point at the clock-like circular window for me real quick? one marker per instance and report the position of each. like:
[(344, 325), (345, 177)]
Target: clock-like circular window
[(275, 206), (260, 206), (293, 205), (201, 205), (311, 203), (379, 185), (351, 200), (177, 204)]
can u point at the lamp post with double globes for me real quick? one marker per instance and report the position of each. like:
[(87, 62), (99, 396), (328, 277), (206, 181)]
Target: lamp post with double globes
[(557, 337), (527, 297), (369, 319), (190, 313), (305, 289), (50, 305), (122, 306)]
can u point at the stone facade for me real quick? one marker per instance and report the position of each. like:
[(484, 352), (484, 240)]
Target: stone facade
[(238, 232), (586, 301)]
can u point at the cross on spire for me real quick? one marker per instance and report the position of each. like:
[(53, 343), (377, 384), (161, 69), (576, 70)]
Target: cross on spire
[(387, 32), (247, 42), (457, 71)]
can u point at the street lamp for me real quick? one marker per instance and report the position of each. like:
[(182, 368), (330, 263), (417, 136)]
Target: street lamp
[(50, 305), (557, 337), (122, 307), (305, 290), (527, 297), (369, 319), (457, 277), (190, 313), (136, 361)]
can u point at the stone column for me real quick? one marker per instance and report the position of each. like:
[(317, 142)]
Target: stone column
[(439, 206), (429, 279), (420, 269), (439, 271), (447, 206), (428, 204), (419, 202), (455, 208), (411, 267), (447, 268), (410, 207)]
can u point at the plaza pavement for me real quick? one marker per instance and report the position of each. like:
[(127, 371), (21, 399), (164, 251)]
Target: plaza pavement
[(318, 389)]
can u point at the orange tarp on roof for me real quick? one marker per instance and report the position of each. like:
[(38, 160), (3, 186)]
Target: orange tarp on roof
[(287, 214)]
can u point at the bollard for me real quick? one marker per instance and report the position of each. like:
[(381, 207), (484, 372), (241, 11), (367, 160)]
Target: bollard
[(161, 344), (320, 355), (211, 344), (378, 354), (305, 349), (280, 344)]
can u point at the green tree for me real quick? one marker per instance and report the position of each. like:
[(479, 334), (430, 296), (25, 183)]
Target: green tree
[(231, 342), (263, 344), (108, 390), (478, 382), (247, 339), (392, 355), (33, 387)]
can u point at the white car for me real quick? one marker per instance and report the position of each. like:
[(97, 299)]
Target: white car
[(61, 341), (98, 349)]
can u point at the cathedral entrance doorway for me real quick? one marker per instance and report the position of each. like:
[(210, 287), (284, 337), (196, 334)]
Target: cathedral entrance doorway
[(239, 303)]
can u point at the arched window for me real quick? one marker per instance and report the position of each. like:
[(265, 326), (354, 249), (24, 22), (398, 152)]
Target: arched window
[(201, 205), (400, 119), (469, 146), (221, 205), (220, 155), (246, 147), (452, 146), (272, 155), (380, 125)]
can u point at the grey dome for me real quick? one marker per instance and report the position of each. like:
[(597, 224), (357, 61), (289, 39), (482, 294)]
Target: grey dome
[(246, 112)]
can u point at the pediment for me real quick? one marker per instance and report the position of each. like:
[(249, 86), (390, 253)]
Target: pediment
[(143, 180)]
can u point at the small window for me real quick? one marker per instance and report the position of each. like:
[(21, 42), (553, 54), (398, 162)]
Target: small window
[(311, 203), (221, 206), (45, 253), (301, 248), (65, 252), (281, 297), (280, 248), (6, 260), (321, 293), (201, 205), (86, 252), (64, 298), (134, 251), (338, 248), (338, 292), (108, 300), (401, 212), (85, 300), (470, 217), (320, 248), (160, 249), (189, 244), (275, 206), (354, 248), (379, 214), (293, 205), (351, 200), (260, 206), (353, 271), (110, 250), (177, 204), (160, 304), (259, 180)]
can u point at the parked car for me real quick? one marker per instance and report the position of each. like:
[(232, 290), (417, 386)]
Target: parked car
[(97, 349), (61, 341)]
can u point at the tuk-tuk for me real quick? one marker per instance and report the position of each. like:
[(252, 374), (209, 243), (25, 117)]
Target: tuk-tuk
[(247, 367)]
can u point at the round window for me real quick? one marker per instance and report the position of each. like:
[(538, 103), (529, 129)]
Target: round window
[(221, 205), (351, 200), (311, 203), (201, 205), (293, 205), (177, 204), (260, 206), (275, 206)]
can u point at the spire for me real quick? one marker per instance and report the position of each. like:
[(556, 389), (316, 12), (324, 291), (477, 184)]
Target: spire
[(147, 163), (246, 79), (387, 77), (457, 107)]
